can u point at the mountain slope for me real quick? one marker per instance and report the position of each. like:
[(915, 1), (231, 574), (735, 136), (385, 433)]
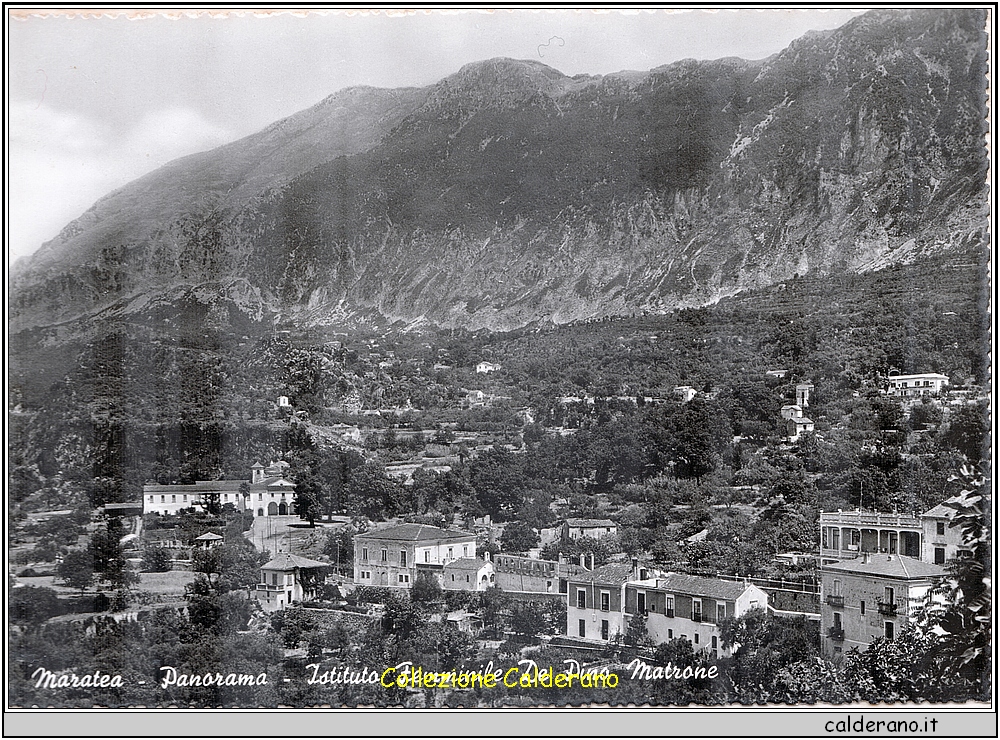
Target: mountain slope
[(509, 193)]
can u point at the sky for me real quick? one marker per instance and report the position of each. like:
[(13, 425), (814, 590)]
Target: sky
[(96, 101)]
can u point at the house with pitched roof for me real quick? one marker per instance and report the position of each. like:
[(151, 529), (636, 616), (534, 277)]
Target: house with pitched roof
[(941, 542), (869, 597), (287, 579), (468, 574), (393, 555), (686, 607), (595, 607)]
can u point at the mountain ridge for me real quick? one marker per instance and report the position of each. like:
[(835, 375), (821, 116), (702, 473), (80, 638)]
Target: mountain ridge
[(509, 192)]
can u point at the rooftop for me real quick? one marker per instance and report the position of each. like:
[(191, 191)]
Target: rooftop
[(473, 564), (416, 533), (712, 588), (288, 561), (613, 573), (587, 523), (891, 566), (940, 512)]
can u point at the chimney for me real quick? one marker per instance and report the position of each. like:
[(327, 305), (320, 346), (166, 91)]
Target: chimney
[(635, 568)]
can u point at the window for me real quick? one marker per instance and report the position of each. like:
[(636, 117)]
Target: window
[(862, 608), (605, 629), (940, 528), (364, 554), (836, 538), (720, 612), (836, 588), (890, 630), (184, 498), (427, 556), (467, 578), (696, 610), (715, 642), (696, 636), (581, 599), (605, 601), (260, 496), (939, 556), (640, 602), (582, 627), (163, 499), (150, 499), (453, 576), (451, 553), (385, 555), (465, 551), (402, 558), (670, 634), (890, 595), (670, 606)]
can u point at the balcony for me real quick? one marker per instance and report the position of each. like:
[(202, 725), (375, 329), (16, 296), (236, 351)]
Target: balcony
[(835, 633), (670, 613), (696, 617), (837, 601), (888, 608)]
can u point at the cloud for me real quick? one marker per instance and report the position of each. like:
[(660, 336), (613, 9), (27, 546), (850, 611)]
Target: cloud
[(166, 134), (61, 162)]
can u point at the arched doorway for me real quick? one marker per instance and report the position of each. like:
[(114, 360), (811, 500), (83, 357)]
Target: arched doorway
[(260, 512), (283, 509), (272, 509)]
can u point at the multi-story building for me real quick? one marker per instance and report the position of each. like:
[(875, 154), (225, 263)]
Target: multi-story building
[(868, 597), (595, 608), (941, 541), (393, 556), (844, 535), (916, 385), (680, 606), (267, 493), (282, 581), (600, 604)]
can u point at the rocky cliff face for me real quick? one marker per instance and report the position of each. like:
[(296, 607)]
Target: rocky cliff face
[(509, 193)]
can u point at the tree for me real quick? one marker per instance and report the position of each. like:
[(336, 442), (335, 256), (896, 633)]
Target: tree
[(77, 569), (156, 560), (370, 492), (518, 537), (426, 589), (957, 611), (33, 605)]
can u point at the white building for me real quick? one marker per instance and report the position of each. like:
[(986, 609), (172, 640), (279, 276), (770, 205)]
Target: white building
[(267, 493), (916, 385), (282, 582)]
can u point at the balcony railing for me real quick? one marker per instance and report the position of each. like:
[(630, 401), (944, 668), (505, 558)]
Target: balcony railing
[(835, 633), (696, 617), (888, 608), (835, 600), (670, 613)]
